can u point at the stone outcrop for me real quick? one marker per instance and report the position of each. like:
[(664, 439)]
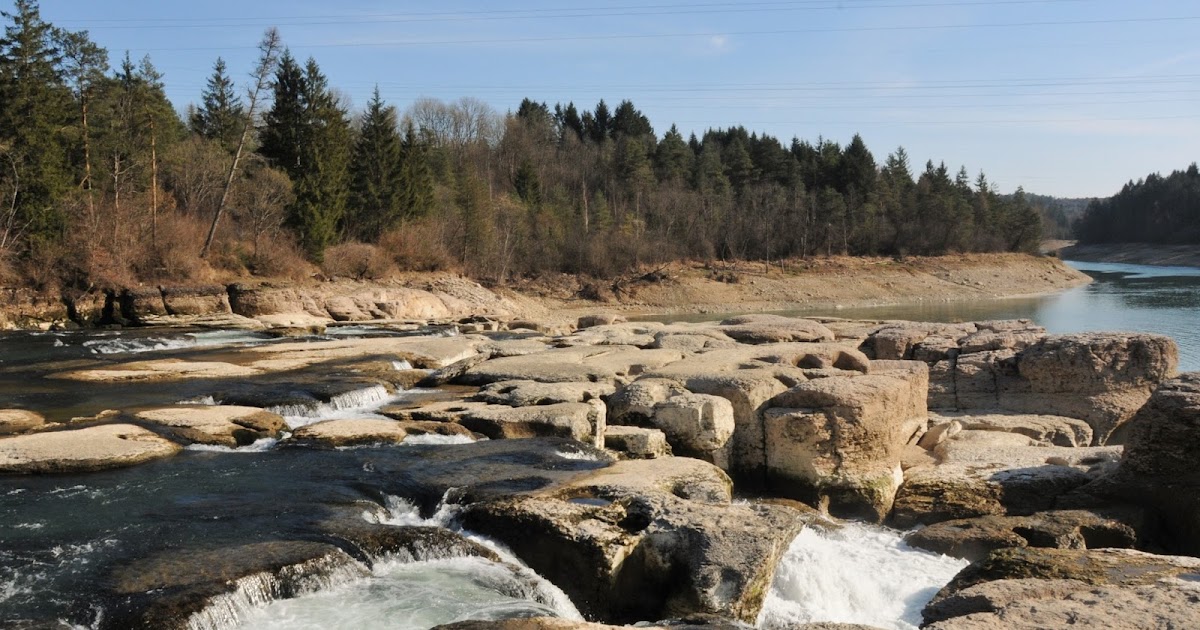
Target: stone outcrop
[(645, 539), (1056, 588), (368, 431), (82, 450), (973, 539), (1043, 429), (980, 473), (758, 329), (596, 364), (13, 421), (636, 442), (222, 425), (582, 422), (200, 300), (836, 441), (1158, 469), (530, 393)]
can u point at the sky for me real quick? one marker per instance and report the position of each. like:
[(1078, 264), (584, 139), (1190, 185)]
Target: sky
[(1071, 98)]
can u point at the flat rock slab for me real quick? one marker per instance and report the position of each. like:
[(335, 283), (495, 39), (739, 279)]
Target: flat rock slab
[(757, 329), (577, 364), (223, 425), (362, 431), (81, 450), (14, 421), (1050, 430), (159, 370), (530, 393)]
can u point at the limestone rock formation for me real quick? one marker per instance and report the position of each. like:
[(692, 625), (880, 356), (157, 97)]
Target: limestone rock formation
[(222, 425), (1057, 588), (974, 538), (81, 450), (13, 421)]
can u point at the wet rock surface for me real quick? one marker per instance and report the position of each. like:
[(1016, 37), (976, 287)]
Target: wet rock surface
[(79, 450)]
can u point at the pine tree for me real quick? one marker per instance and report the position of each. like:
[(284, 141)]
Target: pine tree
[(84, 64), (323, 181), (221, 115), (35, 107), (673, 159), (416, 177), (282, 138), (525, 182), (375, 204)]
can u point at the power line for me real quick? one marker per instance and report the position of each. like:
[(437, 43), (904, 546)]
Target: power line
[(534, 14), (634, 36)]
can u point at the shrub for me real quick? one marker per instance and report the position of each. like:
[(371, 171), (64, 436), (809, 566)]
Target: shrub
[(357, 260)]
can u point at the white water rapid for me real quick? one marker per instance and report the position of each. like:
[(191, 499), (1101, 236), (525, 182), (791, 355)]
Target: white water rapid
[(855, 574), (359, 403), (403, 594)]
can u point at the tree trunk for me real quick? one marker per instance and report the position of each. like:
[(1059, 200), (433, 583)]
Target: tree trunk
[(153, 185), (87, 163)]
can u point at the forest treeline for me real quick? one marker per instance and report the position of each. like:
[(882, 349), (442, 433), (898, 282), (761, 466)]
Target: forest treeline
[(1156, 209), (104, 183)]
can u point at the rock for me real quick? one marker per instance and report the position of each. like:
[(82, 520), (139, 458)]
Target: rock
[(637, 334), (82, 450), (536, 623), (634, 403), (13, 421), (748, 377), (645, 539), (140, 303), (202, 300), (352, 432), (983, 473), (1049, 430), (583, 422), (939, 433), (837, 441), (598, 319), (974, 538), (758, 329), (1158, 470), (222, 425), (157, 370), (636, 442), (1057, 588), (264, 299), (1102, 378), (420, 352), (179, 588), (530, 393), (576, 364), (439, 411), (695, 424), (447, 374)]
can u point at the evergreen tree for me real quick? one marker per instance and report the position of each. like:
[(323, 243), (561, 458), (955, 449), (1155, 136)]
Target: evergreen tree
[(84, 64), (221, 115), (282, 138), (35, 108), (527, 186), (323, 181), (416, 176), (376, 198), (598, 124), (673, 159)]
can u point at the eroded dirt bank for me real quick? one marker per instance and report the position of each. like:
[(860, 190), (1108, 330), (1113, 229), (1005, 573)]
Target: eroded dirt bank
[(675, 288)]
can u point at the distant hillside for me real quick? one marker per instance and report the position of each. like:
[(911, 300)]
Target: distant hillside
[(1059, 214), (1157, 209)]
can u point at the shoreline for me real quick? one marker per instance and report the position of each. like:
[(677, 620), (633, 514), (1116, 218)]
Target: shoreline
[(681, 288), (1134, 254)]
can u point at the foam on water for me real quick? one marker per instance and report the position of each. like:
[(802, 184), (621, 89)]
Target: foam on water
[(855, 574), (258, 446), (416, 593), (359, 403), (204, 339)]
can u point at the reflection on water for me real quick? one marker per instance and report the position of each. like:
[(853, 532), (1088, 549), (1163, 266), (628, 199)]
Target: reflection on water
[(1136, 298)]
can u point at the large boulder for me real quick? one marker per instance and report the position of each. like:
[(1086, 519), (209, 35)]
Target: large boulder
[(82, 450), (530, 393), (197, 300), (582, 422), (974, 538), (1158, 470), (222, 425), (1058, 588), (645, 539), (836, 441), (695, 424), (980, 473)]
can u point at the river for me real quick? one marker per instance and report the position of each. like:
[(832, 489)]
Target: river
[(61, 536)]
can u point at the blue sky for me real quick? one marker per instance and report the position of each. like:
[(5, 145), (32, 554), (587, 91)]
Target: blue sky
[(1064, 97)]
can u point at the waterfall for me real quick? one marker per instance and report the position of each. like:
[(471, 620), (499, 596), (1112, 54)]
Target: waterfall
[(855, 573), (352, 404)]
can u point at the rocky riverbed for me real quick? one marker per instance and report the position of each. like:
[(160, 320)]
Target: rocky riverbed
[(643, 471)]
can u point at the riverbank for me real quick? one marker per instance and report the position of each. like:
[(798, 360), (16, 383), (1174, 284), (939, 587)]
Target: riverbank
[(1134, 254), (677, 288)]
